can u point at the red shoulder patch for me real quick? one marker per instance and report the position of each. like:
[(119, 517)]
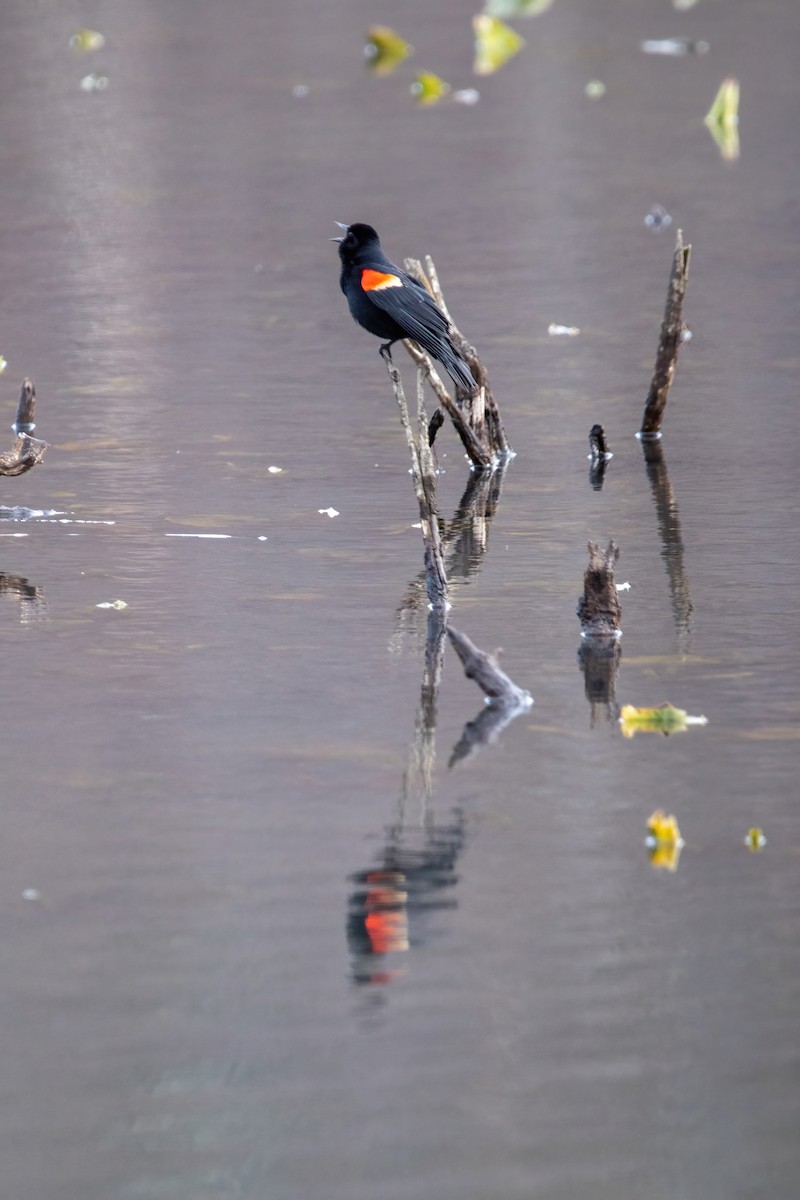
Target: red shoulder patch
[(376, 281)]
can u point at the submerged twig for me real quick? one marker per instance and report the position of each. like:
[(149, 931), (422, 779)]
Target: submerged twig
[(672, 329), (27, 451), (599, 457)]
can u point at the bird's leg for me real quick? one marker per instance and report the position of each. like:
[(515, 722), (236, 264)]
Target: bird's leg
[(386, 352)]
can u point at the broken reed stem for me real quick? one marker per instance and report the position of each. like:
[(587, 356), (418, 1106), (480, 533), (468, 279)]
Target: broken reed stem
[(477, 453), (26, 451), (478, 423), (424, 476), (669, 341), (490, 412)]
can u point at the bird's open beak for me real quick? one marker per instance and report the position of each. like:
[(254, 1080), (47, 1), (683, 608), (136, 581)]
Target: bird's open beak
[(341, 226)]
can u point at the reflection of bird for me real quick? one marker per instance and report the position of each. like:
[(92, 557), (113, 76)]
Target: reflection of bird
[(392, 304)]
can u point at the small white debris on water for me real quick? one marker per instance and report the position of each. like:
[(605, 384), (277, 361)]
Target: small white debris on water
[(417, 525), (674, 46), (219, 536), (594, 89), (467, 96), (300, 91), (94, 83), (563, 330), (275, 470), (31, 894), (3, 364), (623, 587), (328, 512), (686, 335), (13, 535), (262, 537), (118, 604)]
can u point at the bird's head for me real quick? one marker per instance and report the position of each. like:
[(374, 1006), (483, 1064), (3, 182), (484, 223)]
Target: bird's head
[(355, 237)]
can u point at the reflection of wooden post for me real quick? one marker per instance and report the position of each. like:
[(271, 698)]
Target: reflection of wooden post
[(669, 341), (669, 528), (27, 451), (600, 615)]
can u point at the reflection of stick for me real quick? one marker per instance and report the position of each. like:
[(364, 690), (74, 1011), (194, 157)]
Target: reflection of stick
[(26, 451), (424, 477), (669, 527), (669, 342)]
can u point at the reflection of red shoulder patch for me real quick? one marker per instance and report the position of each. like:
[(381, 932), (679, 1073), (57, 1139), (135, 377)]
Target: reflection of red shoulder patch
[(376, 281)]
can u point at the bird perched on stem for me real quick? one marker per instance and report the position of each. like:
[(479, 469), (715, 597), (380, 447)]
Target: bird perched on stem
[(393, 304)]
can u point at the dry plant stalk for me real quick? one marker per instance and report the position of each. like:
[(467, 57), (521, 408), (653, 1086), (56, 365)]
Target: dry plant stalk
[(672, 328), (423, 473), (477, 422), (27, 451)]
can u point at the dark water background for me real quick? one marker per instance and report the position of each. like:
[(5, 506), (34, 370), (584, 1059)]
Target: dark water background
[(198, 788)]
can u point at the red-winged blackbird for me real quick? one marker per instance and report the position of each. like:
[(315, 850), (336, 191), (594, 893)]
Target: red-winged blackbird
[(392, 304)]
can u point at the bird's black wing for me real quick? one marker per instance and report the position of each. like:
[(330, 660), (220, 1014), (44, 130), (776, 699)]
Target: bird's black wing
[(409, 304)]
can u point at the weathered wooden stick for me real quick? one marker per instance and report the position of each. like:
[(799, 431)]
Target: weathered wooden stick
[(479, 413), (477, 453), (599, 456), (484, 669), (424, 477), (669, 342), (505, 700), (599, 609), (26, 451), (494, 426)]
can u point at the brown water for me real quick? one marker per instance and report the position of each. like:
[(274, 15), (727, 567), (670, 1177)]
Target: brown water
[(212, 792)]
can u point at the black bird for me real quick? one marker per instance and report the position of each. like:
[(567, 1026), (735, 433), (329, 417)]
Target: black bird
[(392, 304)]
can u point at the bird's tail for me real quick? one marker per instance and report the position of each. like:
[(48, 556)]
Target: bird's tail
[(459, 372)]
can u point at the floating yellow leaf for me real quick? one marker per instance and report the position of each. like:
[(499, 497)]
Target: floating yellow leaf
[(663, 841), (722, 119), (755, 839), (516, 8), (384, 49), (87, 39), (495, 43), (428, 88), (665, 719)]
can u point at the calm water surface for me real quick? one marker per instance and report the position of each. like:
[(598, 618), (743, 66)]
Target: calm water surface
[(268, 950)]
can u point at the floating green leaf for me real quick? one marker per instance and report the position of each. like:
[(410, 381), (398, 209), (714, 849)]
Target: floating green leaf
[(665, 719), (495, 44), (428, 88), (516, 8), (384, 49), (664, 842), (722, 119), (86, 39)]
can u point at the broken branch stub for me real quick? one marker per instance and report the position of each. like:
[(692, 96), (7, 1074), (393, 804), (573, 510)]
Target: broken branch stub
[(476, 418), (599, 609), (27, 451), (672, 329)]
